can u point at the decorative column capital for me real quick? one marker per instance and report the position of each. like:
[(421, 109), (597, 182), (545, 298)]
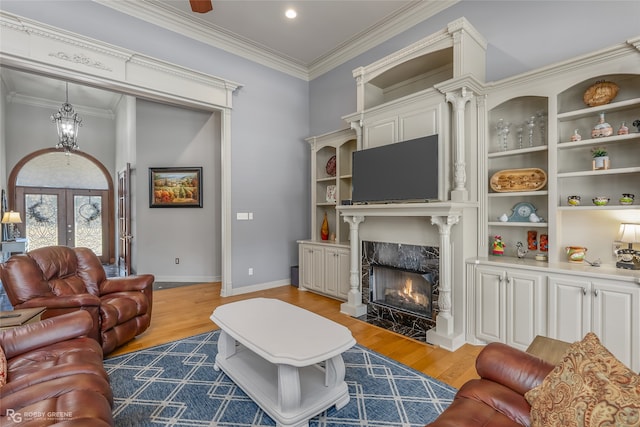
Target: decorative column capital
[(445, 223), (460, 98), (353, 220)]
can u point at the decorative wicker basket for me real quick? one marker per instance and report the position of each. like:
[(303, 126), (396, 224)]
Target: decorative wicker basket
[(511, 180), (600, 93)]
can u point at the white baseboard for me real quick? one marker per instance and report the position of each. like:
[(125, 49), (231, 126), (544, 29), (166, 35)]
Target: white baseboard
[(259, 287), (189, 279)]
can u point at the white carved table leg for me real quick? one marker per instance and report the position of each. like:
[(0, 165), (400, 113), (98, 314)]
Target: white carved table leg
[(226, 347), (334, 375), (288, 388)]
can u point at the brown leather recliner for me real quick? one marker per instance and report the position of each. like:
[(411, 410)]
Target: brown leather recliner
[(55, 375), (497, 398), (64, 279)]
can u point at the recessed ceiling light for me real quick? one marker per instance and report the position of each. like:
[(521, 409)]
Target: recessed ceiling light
[(290, 13)]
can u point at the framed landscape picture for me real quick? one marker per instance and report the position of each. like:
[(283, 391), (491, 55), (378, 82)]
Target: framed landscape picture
[(179, 187)]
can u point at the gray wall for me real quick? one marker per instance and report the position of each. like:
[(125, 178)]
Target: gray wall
[(270, 119), (29, 128), (175, 137), (521, 36)]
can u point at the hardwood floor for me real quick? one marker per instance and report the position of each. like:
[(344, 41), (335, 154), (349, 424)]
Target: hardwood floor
[(184, 311)]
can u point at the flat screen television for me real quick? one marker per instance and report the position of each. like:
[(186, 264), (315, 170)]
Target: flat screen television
[(400, 172)]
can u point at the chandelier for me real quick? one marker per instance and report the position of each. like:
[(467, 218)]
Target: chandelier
[(67, 122)]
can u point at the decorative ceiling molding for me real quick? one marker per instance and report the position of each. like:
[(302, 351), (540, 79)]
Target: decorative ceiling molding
[(82, 110), (394, 25), (213, 35)]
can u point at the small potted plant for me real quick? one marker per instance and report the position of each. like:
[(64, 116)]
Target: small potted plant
[(600, 158)]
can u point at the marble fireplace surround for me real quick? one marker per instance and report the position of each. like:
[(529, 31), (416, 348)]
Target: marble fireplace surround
[(443, 215), (390, 304)]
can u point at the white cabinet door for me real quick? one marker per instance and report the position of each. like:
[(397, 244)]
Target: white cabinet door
[(344, 273), (331, 263), (312, 267), (510, 305), (490, 304), (616, 320), (337, 265), (526, 308), (569, 308)]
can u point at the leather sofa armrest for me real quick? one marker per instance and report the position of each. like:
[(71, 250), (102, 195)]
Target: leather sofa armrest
[(32, 336), (511, 367), (61, 302), (139, 282)]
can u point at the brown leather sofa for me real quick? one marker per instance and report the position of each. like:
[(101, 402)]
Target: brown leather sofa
[(64, 279), (497, 398), (54, 375)]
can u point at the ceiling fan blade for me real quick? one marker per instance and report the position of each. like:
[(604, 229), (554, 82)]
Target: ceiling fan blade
[(201, 6)]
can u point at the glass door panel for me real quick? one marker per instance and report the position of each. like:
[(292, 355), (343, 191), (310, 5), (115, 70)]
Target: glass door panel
[(41, 220), (87, 222), (68, 217)]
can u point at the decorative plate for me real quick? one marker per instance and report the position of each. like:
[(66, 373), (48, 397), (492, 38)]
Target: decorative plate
[(600, 93), (331, 166), (510, 180)]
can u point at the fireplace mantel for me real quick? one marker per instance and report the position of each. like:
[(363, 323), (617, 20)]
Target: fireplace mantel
[(444, 215), (405, 209)]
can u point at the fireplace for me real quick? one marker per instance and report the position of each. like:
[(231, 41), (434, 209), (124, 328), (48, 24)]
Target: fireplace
[(400, 287)]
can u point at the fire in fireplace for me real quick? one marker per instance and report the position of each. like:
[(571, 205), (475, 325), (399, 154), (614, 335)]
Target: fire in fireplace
[(402, 289)]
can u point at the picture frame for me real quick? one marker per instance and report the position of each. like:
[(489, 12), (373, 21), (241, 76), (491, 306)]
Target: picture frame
[(175, 187), (331, 194)]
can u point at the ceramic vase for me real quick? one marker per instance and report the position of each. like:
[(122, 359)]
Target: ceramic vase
[(324, 229), (602, 128)]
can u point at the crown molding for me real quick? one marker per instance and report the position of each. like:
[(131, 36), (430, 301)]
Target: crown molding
[(213, 35), (158, 14), (402, 20)]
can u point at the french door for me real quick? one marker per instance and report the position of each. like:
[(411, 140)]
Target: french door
[(124, 221), (63, 216)]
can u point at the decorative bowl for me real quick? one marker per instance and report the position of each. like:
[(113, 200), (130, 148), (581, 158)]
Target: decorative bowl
[(573, 200), (600, 201), (627, 199)]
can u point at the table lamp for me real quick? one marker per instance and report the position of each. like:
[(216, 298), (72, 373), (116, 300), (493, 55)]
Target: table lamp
[(628, 258), (12, 218)]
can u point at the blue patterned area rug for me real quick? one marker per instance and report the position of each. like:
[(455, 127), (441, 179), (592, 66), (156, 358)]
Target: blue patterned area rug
[(175, 384)]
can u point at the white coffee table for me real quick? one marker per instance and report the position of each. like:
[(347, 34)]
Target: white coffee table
[(287, 359)]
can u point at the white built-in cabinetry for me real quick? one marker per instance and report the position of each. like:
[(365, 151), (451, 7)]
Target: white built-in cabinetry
[(324, 264), (578, 305), (512, 302), (324, 268), (436, 85)]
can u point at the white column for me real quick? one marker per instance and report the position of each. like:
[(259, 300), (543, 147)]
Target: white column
[(459, 100), (443, 334), (354, 306)]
